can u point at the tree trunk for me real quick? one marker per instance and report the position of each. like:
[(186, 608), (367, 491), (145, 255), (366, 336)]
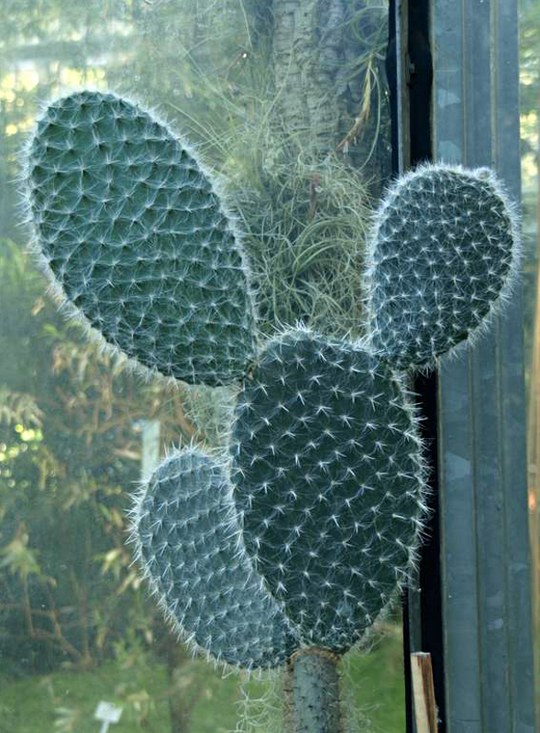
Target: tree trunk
[(327, 70)]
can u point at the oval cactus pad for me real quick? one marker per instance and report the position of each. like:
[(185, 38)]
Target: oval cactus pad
[(187, 544), (442, 254), (328, 483), (135, 236)]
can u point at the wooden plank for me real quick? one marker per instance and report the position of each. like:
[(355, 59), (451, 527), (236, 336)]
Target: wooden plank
[(484, 550), (425, 707)]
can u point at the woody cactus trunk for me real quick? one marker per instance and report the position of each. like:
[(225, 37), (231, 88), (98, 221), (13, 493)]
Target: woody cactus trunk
[(325, 59), (281, 549)]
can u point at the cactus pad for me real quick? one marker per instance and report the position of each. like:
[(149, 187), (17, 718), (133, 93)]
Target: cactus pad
[(328, 483), (135, 237), (187, 544), (442, 255)]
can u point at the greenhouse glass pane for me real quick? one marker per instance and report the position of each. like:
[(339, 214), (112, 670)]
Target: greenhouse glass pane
[(289, 107)]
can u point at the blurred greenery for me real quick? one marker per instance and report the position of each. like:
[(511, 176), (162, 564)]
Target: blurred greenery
[(62, 702), (69, 447), (530, 157), (530, 129)]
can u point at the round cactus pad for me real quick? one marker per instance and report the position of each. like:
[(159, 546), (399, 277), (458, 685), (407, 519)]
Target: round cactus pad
[(328, 483), (134, 235), (187, 544), (442, 253)]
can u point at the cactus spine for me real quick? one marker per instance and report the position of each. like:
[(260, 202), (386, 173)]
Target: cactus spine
[(443, 256), (328, 483), (136, 239), (285, 550)]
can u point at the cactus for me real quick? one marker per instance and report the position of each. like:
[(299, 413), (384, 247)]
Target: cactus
[(443, 257), (187, 542), (312, 692), (136, 239), (284, 550), (328, 483)]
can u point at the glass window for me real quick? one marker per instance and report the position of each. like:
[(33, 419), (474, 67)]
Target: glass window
[(294, 117)]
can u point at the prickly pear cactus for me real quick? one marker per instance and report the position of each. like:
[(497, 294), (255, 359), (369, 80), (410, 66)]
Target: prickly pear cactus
[(187, 541), (443, 256), (328, 483), (137, 240), (283, 551)]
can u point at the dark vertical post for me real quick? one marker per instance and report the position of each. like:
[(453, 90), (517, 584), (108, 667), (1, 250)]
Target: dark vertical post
[(484, 549), (409, 66)]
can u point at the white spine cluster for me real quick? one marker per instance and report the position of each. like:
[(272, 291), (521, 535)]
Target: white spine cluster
[(442, 258), (135, 238), (186, 540)]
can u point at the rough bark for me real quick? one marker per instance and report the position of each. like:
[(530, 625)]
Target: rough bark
[(325, 68)]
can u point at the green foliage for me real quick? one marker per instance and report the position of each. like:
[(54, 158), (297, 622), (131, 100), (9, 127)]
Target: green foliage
[(443, 257), (328, 483), (141, 686), (68, 447), (529, 60), (136, 238), (305, 224), (186, 540), (64, 702)]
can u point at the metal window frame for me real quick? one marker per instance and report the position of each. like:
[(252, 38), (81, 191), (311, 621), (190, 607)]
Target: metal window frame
[(478, 558)]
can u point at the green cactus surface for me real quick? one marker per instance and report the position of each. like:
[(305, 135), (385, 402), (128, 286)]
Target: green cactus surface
[(442, 257), (186, 536), (328, 483), (314, 703), (135, 237)]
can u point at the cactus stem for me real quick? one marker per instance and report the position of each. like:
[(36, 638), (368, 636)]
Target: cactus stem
[(312, 692)]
